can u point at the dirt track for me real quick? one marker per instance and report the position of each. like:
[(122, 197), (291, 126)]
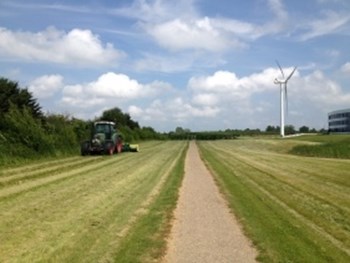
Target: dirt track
[(204, 230)]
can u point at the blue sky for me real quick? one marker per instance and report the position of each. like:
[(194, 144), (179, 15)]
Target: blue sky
[(198, 64)]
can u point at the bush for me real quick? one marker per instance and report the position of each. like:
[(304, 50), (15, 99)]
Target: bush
[(62, 133), (22, 128)]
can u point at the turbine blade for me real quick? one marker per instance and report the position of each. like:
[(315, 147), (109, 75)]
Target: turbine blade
[(278, 64), (291, 74)]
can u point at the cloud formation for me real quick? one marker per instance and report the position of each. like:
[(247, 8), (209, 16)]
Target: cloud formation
[(330, 23), (46, 86), (346, 68), (77, 47), (250, 100)]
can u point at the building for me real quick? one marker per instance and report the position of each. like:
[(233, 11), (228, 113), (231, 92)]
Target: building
[(339, 121)]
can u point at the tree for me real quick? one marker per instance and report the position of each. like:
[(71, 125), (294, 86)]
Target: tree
[(304, 129), (115, 115), (21, 129), (179, 130), (289, 129), (62, 132), (130, 123), (148, 133), (120, 118), (11, 93), (272, 129)]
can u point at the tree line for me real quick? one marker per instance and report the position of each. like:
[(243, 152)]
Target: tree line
[(184, 133), (26, 132)]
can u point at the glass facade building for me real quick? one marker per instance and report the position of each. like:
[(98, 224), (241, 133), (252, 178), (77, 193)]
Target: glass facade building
[(339, 121)]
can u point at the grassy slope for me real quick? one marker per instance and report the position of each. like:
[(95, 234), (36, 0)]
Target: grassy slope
[(295, 209), (80, 209), (330, 146)]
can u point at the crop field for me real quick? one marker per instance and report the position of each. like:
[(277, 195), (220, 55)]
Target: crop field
[(90, 209), (294, 208)]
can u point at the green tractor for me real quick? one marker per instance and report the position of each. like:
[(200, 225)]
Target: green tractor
[(104, 140)]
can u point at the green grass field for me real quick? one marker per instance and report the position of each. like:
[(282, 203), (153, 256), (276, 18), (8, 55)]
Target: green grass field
[(90, 209), (294, 208), (118, 209)]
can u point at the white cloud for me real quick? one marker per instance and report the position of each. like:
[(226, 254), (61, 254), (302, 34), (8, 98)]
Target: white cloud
[(155, 11), (109, 90), (78, 47), (114, 86), (196, 34), (178, 29), (179, 26), (53, 6), (321, 91), (228, 86), (46, 86), (225, 87), (117, 86), (214, 100), (208, 99), (278, 9), (254, 99), (87, 100), (213, 34), (220, 81), (346, 68), (172, 111), (181, 62), (135, 111), (331, 22)]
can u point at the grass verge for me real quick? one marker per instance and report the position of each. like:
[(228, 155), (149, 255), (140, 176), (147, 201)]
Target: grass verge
[(147, 240)]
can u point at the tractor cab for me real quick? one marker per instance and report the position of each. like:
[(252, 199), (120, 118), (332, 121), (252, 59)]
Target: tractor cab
[(104, 131)]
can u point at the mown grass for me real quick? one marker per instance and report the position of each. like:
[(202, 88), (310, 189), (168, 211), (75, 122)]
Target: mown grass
[(294, 209), (146, 242), (49, 213), (328, 146)]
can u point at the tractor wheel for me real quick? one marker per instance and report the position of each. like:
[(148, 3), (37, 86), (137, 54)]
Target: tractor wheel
[(84, 149), (119, 147), (111, 151), (109, 148)]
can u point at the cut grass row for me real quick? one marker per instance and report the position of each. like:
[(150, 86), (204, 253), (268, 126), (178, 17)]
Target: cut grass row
[(83, 209), (146, 242), (294, 209)]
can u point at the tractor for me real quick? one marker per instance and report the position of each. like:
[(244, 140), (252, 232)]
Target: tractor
[(104, 139)]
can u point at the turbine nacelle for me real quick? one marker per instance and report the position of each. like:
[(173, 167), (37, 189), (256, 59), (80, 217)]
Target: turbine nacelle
[(278, 81)]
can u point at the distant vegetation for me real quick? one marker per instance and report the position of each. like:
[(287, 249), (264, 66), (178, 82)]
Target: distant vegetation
[(184, 134)]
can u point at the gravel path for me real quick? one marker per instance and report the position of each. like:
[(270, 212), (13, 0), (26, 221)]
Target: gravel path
[(204, 230)]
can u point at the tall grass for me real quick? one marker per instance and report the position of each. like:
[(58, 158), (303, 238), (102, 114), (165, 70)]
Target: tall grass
[(329, 146)]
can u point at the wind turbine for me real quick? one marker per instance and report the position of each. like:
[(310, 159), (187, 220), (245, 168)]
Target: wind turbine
[(283, 90)]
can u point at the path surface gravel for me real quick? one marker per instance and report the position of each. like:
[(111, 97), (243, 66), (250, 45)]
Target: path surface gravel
[(204, 230)]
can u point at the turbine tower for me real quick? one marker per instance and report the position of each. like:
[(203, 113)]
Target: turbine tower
[(283, 91)]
